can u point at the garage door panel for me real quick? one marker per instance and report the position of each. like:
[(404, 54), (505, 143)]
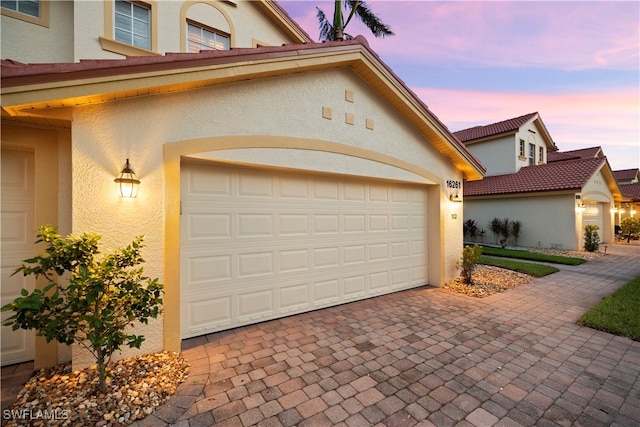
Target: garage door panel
[(294, 298), (255, 305), (209, 313), (263, 245)]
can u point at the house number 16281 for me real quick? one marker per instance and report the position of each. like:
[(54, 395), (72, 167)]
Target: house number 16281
[(454, 184)]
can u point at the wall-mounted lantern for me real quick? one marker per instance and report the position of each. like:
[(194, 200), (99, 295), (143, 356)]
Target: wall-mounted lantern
[(455, 197), (127, 182)]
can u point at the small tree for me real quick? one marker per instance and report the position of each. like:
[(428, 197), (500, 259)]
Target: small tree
[(470, 258), (504, 230), (630, 226), (101, 298), (470, 227), (591, 238), (515, 231), (495, 225)]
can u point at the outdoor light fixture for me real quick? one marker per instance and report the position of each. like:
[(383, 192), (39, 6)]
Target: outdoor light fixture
[(455, 198), (127, 182)]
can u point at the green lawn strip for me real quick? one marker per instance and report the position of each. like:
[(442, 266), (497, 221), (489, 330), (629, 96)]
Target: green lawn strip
[(618, 313), (536, 270), (532, 256)]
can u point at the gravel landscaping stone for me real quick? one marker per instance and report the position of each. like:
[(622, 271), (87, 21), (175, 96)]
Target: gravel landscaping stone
[(488, 280), (59, 397)]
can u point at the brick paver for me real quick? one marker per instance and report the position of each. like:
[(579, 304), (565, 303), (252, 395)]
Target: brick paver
[(422, 357)]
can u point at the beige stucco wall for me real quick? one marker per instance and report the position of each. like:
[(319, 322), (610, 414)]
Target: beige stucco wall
[(502, 155), (547, 221), (74, 30), (498, 156), (28, 42), (138, 129)]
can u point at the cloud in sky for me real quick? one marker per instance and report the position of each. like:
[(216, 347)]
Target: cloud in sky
[(577, 63), (567, 35)]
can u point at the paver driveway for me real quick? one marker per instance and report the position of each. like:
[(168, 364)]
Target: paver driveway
[(424, 357)]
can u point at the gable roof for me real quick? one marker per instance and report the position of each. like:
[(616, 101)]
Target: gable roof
[(583, 153), (626, 174), (558, 176), (47, 91), (631, 191), (489, 132), (505, 126)]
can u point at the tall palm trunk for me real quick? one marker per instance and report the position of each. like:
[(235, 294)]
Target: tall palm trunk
[(338, 21)]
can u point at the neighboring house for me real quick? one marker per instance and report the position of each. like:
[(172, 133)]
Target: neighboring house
[(629, 182), (278, 177), (554, 195), (627, 176)]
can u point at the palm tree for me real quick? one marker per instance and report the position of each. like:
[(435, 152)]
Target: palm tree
[(335, 31)]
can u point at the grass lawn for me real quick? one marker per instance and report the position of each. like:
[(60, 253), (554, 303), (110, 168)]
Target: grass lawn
[(532, 256), (618, 313), (536, 270)]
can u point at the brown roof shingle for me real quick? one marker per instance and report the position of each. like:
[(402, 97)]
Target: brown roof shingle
[(582, 153), (626, 174), (510, 125), (631, 190), (568, 175)]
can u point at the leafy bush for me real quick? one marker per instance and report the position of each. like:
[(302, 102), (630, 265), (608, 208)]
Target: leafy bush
[(470, 258), (101, 297), (630, 226), (591, 238)]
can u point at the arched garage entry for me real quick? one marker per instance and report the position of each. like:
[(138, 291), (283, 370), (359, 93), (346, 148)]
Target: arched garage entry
[(272, 226)]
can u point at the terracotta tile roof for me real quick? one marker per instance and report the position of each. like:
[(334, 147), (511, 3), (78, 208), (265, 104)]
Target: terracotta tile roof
[(568, 175), (626, 174), (17, 74), (510, 125), (559, 156), (14, 73), (631, 190)]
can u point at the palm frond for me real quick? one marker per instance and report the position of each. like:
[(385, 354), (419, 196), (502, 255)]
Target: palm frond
[(368, 18), (326, 29)]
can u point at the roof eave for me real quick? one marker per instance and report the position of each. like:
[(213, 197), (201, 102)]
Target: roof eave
[(43, 94)]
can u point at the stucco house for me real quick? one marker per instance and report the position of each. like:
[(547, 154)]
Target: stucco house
[(553, 194), (277, 175), (629, 182)]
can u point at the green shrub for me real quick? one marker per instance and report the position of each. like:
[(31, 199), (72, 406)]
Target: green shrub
[(591, 238), (630, 226), (99, 300), (470, 258)]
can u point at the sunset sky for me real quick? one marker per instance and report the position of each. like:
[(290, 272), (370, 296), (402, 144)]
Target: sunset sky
[(577, 63)]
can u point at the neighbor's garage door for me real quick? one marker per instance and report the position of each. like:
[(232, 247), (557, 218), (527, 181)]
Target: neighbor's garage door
[(258, 244), (592, 215)]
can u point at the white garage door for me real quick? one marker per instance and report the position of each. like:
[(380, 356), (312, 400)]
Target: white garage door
[(592, 215), (258, 244)]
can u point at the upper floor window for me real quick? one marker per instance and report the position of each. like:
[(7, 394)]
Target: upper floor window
[(540, 154), (133, 23), (521, 148), (532, 154), (203, 38), (28, 7)]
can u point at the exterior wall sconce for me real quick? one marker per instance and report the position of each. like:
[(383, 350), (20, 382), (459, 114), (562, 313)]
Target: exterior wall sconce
[(455, 197), (127, 182), (580, 207)]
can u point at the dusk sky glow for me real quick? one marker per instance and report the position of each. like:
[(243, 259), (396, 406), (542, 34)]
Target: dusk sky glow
[(577, 63)]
